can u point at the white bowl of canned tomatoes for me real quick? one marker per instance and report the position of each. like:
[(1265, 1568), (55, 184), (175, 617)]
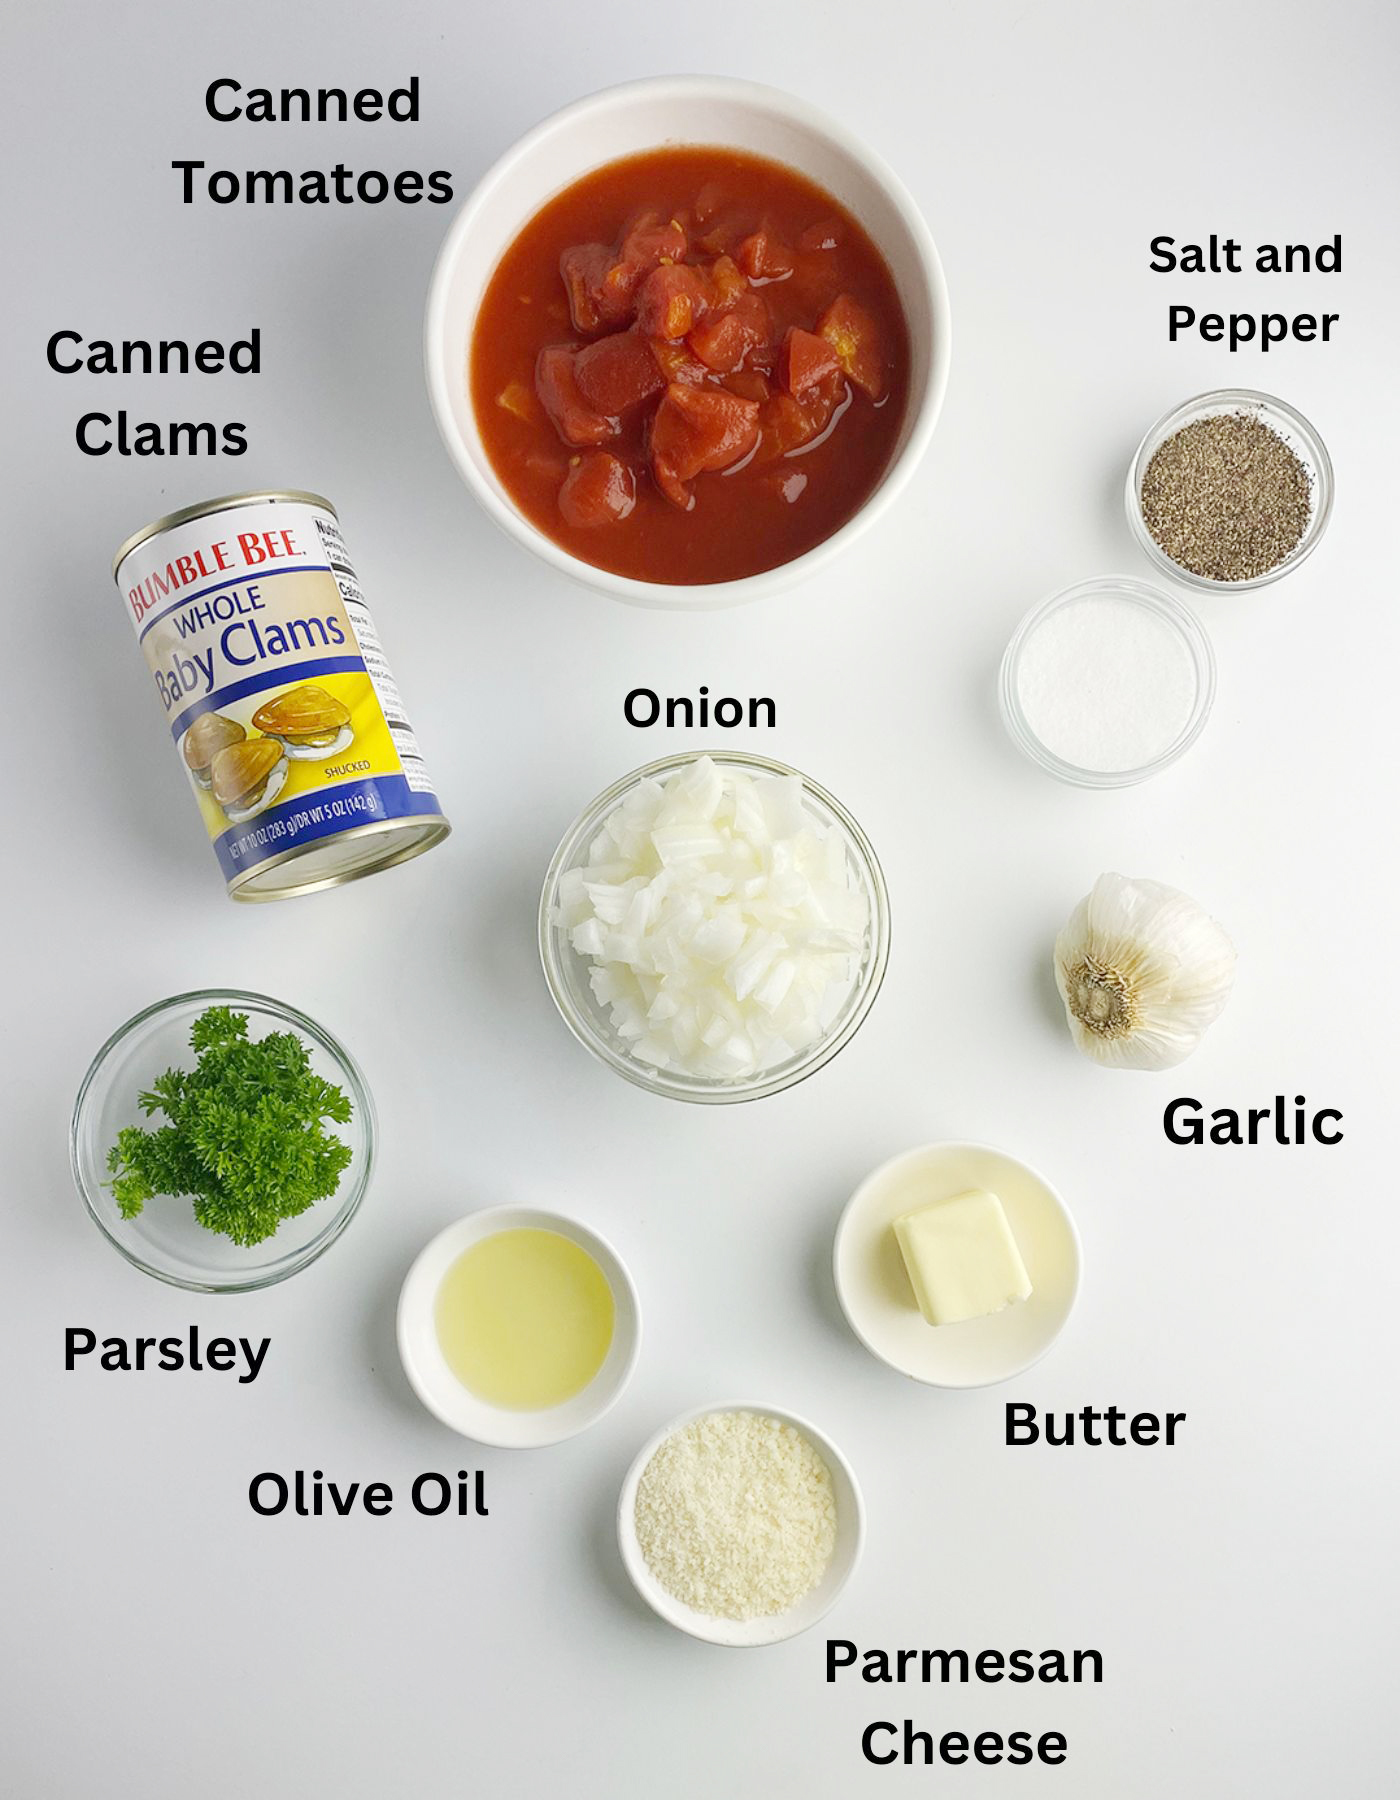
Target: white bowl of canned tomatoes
[(687, 340)]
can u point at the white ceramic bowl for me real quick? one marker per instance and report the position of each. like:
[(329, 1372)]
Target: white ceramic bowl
[(742, 1633), (439, 1389), (874, 1289), (641, 115)]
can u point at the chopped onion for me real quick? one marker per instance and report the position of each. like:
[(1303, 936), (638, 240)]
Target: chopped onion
[(720, 918)]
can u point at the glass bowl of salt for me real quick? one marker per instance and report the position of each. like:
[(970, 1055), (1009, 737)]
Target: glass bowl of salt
[(1107, 683)]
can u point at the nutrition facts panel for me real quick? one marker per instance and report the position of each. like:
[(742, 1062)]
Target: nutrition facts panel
[(383, 681), (376, 666)]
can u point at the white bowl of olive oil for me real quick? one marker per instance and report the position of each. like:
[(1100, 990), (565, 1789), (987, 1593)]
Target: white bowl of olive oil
[(518, 1327)]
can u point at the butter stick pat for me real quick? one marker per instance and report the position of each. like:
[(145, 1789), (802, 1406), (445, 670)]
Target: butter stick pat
[(962, 1258)]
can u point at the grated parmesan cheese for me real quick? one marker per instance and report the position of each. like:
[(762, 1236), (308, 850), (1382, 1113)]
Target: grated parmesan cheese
[(736, 1516)]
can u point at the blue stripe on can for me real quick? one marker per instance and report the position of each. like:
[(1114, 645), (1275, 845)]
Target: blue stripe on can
[(292, 824)]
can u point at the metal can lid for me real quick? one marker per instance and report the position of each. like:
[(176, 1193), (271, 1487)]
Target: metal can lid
[(346, 856), (221, 504)]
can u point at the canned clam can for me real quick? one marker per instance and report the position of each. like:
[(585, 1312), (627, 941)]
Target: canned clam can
[(277, 693)]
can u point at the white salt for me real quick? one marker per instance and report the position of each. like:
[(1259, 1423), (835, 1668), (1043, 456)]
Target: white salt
[(1106, 684)]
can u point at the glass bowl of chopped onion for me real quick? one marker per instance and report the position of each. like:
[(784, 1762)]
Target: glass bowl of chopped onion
[(1230, 490), (162, 1235), (715, 928)]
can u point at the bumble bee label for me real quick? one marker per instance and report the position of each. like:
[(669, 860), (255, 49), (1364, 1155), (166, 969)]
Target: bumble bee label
[(277, 693)]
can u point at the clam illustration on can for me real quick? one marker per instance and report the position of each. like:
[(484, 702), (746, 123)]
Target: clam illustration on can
[(245, 778), (277, 691), (309, 723), (210, 733)]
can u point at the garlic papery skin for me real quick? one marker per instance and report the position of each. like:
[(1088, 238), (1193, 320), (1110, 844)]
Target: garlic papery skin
[(1142, 971)]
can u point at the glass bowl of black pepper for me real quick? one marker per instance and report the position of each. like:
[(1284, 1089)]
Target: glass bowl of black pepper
[(1230, 490)]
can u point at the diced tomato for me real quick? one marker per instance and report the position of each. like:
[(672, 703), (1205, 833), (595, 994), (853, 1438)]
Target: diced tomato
[(723, 340), (784, 427), (670, 300), (602, 282), (762, 259), (727, 280), (650, 240), (788, 423), (695, 430), (599, 289), (804, 360), (748, 384), (557, 386), (677, 363), (598, 490), (855, 337), (617, 373), (720, 342), (826, 234), (829, 396), (724, 232)]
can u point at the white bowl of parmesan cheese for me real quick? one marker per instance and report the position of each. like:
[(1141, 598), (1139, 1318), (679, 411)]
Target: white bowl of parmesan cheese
[(740, 1524)]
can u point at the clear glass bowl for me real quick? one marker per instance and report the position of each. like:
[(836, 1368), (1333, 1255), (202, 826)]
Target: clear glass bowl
[(567, 972), (165, 1239), (1183, 624), (1302, 439)]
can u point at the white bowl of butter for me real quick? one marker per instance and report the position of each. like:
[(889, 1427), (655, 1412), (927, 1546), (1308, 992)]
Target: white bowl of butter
[(986, 1226), (518, 1327)]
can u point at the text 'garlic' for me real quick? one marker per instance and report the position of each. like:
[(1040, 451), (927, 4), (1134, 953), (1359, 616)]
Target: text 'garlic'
[(1142, 971)]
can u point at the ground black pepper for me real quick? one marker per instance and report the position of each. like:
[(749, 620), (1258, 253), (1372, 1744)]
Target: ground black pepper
[(1226, 497)]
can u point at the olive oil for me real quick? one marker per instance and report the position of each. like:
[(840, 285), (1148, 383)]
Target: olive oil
[(524, 1319)]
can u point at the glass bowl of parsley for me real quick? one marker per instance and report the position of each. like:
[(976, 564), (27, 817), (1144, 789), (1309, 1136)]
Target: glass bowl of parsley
[(222, 1140)]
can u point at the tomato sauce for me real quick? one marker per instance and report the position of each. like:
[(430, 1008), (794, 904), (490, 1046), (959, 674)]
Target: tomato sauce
[(690, 366)]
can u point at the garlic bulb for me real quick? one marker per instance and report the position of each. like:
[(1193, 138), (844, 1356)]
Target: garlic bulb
[(1142, 971)]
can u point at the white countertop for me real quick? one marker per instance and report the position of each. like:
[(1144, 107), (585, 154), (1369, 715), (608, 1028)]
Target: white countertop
[(157, 1637)]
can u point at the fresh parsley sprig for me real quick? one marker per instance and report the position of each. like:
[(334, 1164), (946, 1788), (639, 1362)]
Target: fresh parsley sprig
[(245, 1136)]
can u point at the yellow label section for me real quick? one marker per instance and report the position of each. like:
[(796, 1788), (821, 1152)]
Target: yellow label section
[(295, 740)]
